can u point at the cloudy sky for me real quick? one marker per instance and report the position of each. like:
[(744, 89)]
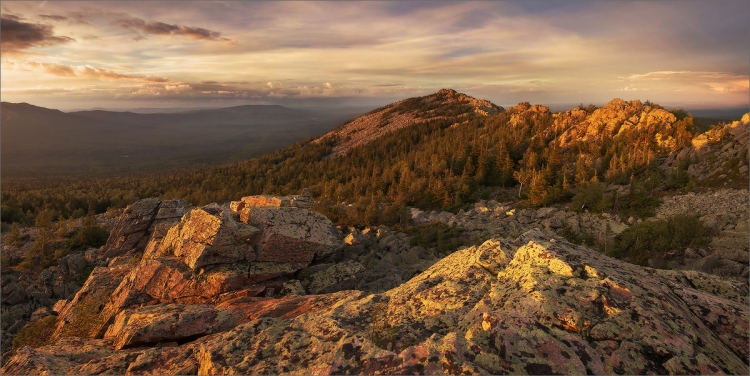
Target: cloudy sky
[(74, 55)]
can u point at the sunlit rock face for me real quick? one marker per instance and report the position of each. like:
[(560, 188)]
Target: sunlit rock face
[(536, 304), (617, 118)]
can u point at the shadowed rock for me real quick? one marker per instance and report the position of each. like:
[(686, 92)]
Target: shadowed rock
[(135, 227)]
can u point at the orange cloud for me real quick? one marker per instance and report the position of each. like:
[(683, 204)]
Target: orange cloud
[(85, 71)]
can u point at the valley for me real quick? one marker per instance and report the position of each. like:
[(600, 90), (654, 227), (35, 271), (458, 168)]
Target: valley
[(103, 143)]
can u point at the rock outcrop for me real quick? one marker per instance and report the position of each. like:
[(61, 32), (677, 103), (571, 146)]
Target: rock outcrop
[(719, 156), (533, 305), (724, 212), (616, 118), (206, 254), (26, 298), (402, 114)]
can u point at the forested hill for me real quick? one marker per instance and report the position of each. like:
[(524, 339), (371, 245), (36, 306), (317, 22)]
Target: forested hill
[(443, 162)]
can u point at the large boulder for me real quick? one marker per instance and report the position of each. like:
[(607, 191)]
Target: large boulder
[(83, 316), (290, 239), (168, 279), (336, 277), (303, 200)]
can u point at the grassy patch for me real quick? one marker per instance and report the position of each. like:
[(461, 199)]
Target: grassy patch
[(35, 334)]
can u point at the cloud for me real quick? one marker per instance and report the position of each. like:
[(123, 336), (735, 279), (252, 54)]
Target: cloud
[(386, 85), (629, 88), (140, 26), (54, 69), (53, 17), (661, 75), (85, 71), (106, 74), (721, 82), (18, 35)]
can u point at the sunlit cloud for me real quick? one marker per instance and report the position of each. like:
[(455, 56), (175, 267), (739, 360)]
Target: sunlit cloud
[(84, 71), (722, 82)]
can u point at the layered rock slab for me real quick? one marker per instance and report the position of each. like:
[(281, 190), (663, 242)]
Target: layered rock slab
[(167, 323)]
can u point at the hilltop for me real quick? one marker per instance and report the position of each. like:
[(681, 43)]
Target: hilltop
[(444, 104)]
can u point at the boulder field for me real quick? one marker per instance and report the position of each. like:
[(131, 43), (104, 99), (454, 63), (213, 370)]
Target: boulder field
[(278, 289)]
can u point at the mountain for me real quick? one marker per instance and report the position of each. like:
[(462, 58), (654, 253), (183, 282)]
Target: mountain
[(269, 289), (444, 104), (37, 141), (148, 110), (447, 158)]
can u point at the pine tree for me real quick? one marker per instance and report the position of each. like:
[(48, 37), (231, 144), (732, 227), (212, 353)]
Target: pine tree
[(62, 227), (14, 237)]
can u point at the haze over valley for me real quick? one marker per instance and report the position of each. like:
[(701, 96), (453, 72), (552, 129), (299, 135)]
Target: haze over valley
[(105, 142)]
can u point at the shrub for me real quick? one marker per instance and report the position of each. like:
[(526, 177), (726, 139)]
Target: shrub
[(636, 203), (589, 196), (576, 237), (679, 178), (90, 235), (653, 239), (437, 235), (15, 235)]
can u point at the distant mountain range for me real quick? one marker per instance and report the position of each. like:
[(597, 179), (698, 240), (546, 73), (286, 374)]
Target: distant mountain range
[(38, 141), (147, 110)]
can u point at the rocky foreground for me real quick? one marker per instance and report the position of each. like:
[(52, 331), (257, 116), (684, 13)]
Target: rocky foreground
[(266, 286)]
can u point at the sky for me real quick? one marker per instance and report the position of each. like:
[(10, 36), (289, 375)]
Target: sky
[(117, 54)]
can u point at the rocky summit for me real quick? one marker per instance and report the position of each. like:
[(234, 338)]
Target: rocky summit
[(264, 286)]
